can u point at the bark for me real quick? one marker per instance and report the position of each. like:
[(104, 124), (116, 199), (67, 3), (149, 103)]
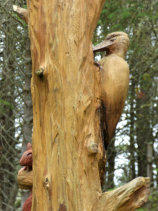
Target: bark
[(141, 140), (150, 160), (27, 108), (157, 171), (144, 132), (131, 135), (8, 150), (67, 145), (28, 115)]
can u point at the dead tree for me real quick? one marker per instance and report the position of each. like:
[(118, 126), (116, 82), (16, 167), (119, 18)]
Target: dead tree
[(67, 142)]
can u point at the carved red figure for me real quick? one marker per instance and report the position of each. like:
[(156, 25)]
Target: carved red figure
[(26, 159), (28, 203)]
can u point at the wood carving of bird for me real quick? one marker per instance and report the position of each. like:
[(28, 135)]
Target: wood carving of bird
[(114, 81)]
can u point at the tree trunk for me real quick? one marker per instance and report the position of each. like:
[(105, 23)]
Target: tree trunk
[(141, 140), (67, 145), (28, 115), (132, 149), (8, 187), (150, 160), (27, 107), (28, 119), (111, 155)]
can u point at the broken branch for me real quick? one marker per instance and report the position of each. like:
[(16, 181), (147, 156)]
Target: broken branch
[(127, 197), (22, 13)]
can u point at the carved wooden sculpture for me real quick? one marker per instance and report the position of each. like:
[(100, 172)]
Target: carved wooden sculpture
[(25, 175), (67, 95), (25, 178), (114, 81), (28, 203), (26, 159)]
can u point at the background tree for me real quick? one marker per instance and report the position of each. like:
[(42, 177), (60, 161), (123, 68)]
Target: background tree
[(15, 100)]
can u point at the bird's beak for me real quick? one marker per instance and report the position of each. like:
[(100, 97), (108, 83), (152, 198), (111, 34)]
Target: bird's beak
[(107, 43), (102, 46)]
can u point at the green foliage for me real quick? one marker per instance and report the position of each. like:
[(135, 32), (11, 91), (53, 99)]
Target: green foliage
[(17, 203), (20, 20), (6, 103)]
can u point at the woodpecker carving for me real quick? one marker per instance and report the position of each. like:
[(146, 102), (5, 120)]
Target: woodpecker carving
[(114, 81)]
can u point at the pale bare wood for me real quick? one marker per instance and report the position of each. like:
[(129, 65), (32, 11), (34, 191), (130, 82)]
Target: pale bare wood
[(128, 197), (25, 179), (23, 13), (65, 103), (67, 143)]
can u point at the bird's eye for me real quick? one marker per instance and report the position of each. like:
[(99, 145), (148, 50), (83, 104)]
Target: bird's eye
[(30, 153), (112, 40), (113, 36)]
